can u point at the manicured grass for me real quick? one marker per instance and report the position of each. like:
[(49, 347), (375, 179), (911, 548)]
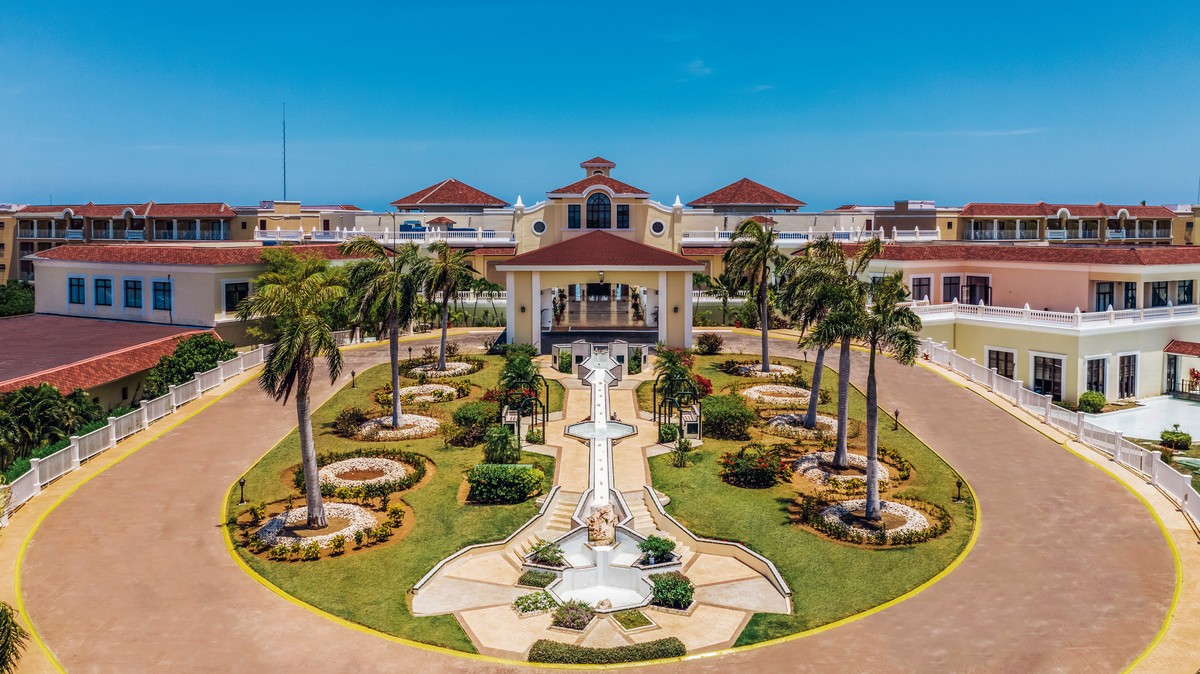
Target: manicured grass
[(632, 619), (829, 580), (371, 587)]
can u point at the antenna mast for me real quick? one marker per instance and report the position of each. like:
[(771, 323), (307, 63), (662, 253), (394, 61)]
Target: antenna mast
[(285, 151)]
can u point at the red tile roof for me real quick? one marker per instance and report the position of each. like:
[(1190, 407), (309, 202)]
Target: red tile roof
[(762, 220), (613, 184), (600, 249), (71, 352), (494, 251), (746, 192), (108, 211), (1056, 254), (694, 251), (450, 192), (597, 162), (1182, 348), (196, 210), (45, 208), (440, 220), (172, 254), (1042, 209)]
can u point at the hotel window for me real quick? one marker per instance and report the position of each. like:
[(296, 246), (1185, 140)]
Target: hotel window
[(979, 290), (1095, 374), (1104, 295), (1003, 362), (133, 294), (262, 224), (1130, 295), (573, 216), (1183, 292), (75, 291), (235, 293), (1158, 294), (599, 212), (325, 225), (951, 286), (1127, 377), (162, 295), (921, 288), (1047, 376), (623, 216), (103, 292)]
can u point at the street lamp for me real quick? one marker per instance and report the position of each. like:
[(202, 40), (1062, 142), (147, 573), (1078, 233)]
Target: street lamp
[(352, 382), (896, 420), (242, 484), (958, 484), (410, 354)]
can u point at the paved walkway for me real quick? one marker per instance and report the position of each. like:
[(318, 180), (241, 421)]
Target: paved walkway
[(1069, 573)]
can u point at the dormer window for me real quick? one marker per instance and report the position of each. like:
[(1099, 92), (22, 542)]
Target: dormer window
[(599, 212)]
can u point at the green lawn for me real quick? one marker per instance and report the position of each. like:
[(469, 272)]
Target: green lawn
[(829, 580), (371, 587)]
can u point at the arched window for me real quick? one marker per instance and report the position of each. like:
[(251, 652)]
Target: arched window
[(599, 212)]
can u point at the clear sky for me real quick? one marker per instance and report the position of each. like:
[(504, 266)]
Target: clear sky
[(845, 102)]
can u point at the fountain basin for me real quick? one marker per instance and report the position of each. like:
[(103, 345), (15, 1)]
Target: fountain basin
[(611, 430)]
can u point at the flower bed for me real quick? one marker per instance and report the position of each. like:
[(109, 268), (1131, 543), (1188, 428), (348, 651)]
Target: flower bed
[(777, 394), (415, 469), (914, 520), (453, 369), (792, 426), (755, 370), (412, 426), (273, 533), (392, 471), (809, 466), (434, 393)]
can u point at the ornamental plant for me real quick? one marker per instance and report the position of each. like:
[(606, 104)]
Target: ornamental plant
[(1092, 402), (499, 483), (536, 578), (534, 602), (727, 417), (338, 545), (704, 385), (709, 343), (680, 453), (755, 466), (535, 436), (573, 615), (671, 590), (311, 552), (546, 553), (667, 433), (1175, 439), (564, 361), (396, 515), (635, 360), (348, 421), (657, 549), (500, 446), (473, 419)]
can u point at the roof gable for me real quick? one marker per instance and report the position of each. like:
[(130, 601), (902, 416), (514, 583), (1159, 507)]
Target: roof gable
[(581, 186), (746, 192), (450, 192), (599, 250)]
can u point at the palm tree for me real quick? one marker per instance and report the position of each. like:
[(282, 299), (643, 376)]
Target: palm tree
[(723, 287), (445, 273), (751, 256), (890, 327), (12, 639), (385, 296), (806, 296), (298, 301)]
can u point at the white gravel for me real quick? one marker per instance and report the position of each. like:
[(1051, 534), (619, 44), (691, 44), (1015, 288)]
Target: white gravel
[(755, 370), (411, 426), (809, 466), (792, 426), (272, 533), (914, 520), (392, 470), (777, 394), (428, 393), (453, 369)]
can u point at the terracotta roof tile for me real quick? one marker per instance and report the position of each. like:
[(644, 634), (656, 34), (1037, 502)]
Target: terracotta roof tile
[(618, 187), (597, 162), (450, 192), (171, 254), (746, 192), (1182, 348), (197, 210), (1044, 210), (440, 220), (693, 251), (600, 249), (494, 251), (1056, 254)]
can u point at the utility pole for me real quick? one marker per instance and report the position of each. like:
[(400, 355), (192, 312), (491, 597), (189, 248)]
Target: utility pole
[(285, 151)]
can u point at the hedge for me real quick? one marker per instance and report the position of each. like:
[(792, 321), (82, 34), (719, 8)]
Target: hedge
[(727, 417), (21, 465), (503, 483), (544, 650)]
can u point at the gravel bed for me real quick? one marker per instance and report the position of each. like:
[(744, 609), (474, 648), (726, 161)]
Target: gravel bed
[(272, 533), (792, 426), (755, 370), (411, 426), (453, 369), (809, 466), (428, 393), (392, 470), (914, 519), (777, 394)]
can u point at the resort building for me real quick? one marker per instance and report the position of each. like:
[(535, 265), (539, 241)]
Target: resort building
[(1077, 223), (9, 262)]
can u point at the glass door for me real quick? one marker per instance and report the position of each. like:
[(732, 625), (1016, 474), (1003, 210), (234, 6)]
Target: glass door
[(1104, 296), (1172, 373), (1127, 377), (1047, 376)]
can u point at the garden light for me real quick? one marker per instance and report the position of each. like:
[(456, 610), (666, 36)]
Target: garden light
[(242, 484)]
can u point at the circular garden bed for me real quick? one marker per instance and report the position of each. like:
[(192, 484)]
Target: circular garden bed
[(818, 467), (755, 370), (412, 427), (453, 369), (777, 394), (898, 519), (362, 470), (288, 528), (791, 425)]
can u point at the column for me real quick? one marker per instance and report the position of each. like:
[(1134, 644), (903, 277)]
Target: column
[(662, 306), (197, 237), (175, 230), (535, 309), (510, 308), (687, 309)]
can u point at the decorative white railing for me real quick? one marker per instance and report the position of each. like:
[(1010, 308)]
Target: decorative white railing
[(42, 471), (1147, 463), (789, 238), (704, 296), (1075, 319), (453, 237)]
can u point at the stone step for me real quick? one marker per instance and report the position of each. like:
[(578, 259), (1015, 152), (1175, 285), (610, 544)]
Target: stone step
[(513, 559)]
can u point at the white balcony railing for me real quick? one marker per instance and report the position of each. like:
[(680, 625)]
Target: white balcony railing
[(791, 238), (1059, 319), (474, 237)]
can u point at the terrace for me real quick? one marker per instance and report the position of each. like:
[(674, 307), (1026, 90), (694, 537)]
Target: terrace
[(191, 230), (455, 237), (1078, 320), (797, 239)]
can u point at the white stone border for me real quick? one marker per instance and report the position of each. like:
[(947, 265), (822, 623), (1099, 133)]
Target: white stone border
[(454, 368), (272, 533), (777, 394), (914, 520), (428, 393), (791, 426), (755, 370), (411, 426), (809, 466), (392, 471)]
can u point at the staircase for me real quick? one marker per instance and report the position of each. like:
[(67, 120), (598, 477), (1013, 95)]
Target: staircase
[(644, 524), (558, 520)]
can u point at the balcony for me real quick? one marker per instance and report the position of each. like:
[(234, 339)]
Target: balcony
[(204, 234), (1072, 235), (794, 239), (998, 234), (457, 237), (1138, 232), (1077, 320), (44, 231)]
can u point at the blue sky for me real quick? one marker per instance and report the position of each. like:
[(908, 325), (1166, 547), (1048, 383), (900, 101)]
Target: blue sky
[(842, 103)]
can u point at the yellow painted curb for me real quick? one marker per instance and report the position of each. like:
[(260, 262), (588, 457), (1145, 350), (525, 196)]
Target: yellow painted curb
[(954, 564)]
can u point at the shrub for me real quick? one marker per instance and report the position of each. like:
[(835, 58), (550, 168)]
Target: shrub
[(823, 396), (545, 650), (709, 343), (755, 466), (500, 483), (473, 419), (311, 552), (667, 433), (632, 619), (573, 615), (727, 417), (747, 314), (358, 538), (704, 385), (499, 446), (680, 453), (257, 512), (198, 353), (348, 421), (535, 436), (547, 553), (671, 590), (635, 360), (1175, 439), (564, 361), (534, 601), (338, 545), (278, 552), (395, 515), (383, 532), (452, 349), (295, 549), (657, 549), (535, 578)]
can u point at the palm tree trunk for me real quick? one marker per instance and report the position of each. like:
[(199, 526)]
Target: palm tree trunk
[(394, 353), (841, 457), (445, 328), (724, 311), (308, 458), (765, 318), (810, 417), (872, 442)]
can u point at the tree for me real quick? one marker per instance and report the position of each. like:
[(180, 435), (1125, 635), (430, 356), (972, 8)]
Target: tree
[(12, 639), (891, 328), (198, 353), (16, 297), (723, 287), (284, 260), (300, 301), (36, 416), (751, 256), (445, 273), (385, 290)]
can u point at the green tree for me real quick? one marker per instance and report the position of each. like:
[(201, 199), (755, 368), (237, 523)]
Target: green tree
[(518, 369), (751, 257), (445, 273), (385, 290), (36, 416), (284, 260), (13, 639), (197, 353), (890, 327), (807, 290), (300, 301), (16, 297)]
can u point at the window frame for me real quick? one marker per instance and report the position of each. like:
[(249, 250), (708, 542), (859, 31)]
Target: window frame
[(1157, 300), (912, 289), (71, 288), (574, 217), (958, 279), (154, 303), (1062, 369), (599, 211), (96, 281), (1087, 373), (987, 356), (1180, 296), (225, 283), (141, 292), (622, 216), (1137, 365)]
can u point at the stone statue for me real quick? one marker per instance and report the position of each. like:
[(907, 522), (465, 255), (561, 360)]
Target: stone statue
[(604, 604), (602, 526)]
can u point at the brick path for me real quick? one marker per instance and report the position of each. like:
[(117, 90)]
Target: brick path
[(1070, 572)]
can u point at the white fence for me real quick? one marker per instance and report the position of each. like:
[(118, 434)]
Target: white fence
[(45, 470), (1062, 319), (1147, 463)]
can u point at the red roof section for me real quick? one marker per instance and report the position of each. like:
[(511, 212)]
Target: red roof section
[(613, 184), (692, 251), (171, 254), (597, 162), (1182, 348), (1042, 209), (46, 208), (440, 220), (495, 251), (746, 192), (196, 210), (1064, 254), (71, 352), (109, 211), (600, 249), (450, 192)]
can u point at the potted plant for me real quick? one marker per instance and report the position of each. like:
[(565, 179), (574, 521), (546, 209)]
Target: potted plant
[(656, 549)]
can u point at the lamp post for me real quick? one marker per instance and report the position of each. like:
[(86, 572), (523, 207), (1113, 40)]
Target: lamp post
[(352, 382), (958, 485), (242, 485), (896, 420), (410, 354)]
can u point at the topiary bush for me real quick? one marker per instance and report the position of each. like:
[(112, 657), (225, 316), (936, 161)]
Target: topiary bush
[(1175, 439), (545, 650), (667, 433), (473, 420), (535, 578), (499, 446), (500, 483), (727, 417), (671, 590), (1092, 402), (709, 344)]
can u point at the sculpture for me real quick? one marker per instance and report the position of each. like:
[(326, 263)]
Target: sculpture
[(602, 526)]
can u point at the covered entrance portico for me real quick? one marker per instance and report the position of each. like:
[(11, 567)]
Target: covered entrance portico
[(600, 282)]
